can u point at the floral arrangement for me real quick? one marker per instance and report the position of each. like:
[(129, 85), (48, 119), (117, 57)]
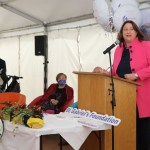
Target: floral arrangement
[(29, 116)]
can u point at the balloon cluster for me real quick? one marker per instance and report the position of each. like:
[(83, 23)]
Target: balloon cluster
[(111, 14), (145, 21)]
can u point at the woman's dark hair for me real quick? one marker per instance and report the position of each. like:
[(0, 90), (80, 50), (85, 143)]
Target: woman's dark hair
[(140, 35), (60, 74)]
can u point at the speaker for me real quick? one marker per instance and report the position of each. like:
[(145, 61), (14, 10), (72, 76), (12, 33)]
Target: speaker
[(40, 45)]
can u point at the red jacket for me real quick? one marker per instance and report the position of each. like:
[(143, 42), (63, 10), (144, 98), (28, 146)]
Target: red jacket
[(52, 90)]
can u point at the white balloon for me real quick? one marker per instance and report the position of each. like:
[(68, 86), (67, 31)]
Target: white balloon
[(145, 16), (145, 13), (145, 21), (102, 13), (144, 6), (146, 30), (126, 12), (118, 3)]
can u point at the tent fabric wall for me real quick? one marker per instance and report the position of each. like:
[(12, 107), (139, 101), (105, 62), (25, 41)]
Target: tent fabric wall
[(74, 49), (31, 68), (9, 51)]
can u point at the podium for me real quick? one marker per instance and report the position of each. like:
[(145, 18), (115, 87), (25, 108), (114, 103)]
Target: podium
[(94, 94)]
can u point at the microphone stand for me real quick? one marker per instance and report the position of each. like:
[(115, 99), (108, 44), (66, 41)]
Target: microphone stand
[(113, 102)]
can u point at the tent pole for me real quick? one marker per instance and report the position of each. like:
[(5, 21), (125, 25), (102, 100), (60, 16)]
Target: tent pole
[(46, 58)]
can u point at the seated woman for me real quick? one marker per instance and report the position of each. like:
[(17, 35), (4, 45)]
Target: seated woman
[(56, 95)]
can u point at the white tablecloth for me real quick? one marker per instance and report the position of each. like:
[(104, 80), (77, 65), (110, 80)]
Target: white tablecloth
[(19, 137)]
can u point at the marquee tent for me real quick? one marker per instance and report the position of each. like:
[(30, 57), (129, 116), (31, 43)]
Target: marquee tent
[(75, 40)]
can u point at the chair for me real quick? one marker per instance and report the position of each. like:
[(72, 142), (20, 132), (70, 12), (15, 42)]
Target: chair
[(12, 97), (74, 105), (62, 109), (66, 105), (35, 100)]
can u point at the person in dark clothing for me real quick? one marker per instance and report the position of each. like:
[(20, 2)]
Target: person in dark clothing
[(2, 66), (55, 96), (3, 76)]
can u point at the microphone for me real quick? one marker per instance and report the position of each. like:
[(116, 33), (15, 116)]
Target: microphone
[(111, 46)]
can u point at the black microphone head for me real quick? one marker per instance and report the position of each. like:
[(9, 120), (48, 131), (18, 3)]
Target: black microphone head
[(117, 42), (110, 47)]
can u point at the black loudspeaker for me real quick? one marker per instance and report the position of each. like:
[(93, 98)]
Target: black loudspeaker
[(40, 45)]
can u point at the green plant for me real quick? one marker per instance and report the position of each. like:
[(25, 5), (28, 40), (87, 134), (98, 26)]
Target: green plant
[(20, 114)]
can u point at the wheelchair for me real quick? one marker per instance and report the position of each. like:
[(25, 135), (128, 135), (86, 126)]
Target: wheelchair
[(9, 83), (1, 128), (14, 86)]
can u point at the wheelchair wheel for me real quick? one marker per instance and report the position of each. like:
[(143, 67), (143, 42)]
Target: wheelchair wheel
[(1, 128)]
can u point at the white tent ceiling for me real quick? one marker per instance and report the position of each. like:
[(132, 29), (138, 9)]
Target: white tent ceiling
[(30, 13), (39, 12)]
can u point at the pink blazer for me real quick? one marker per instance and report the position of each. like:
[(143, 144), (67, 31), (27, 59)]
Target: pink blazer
[(140, 64)]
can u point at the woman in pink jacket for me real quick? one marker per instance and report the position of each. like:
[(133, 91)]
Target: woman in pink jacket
[(132, 62)]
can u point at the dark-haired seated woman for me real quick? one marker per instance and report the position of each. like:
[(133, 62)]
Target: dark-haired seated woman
[(56, 96)]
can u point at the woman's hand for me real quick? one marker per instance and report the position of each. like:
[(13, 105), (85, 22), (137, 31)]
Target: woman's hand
[(131, 77), (54, 101)]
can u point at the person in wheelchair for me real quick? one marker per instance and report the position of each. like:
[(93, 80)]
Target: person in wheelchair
[(3, 76), (55, 96)]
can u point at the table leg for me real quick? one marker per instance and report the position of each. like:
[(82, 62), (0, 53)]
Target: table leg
[(41, 143), (99, 137), (60, 146)]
